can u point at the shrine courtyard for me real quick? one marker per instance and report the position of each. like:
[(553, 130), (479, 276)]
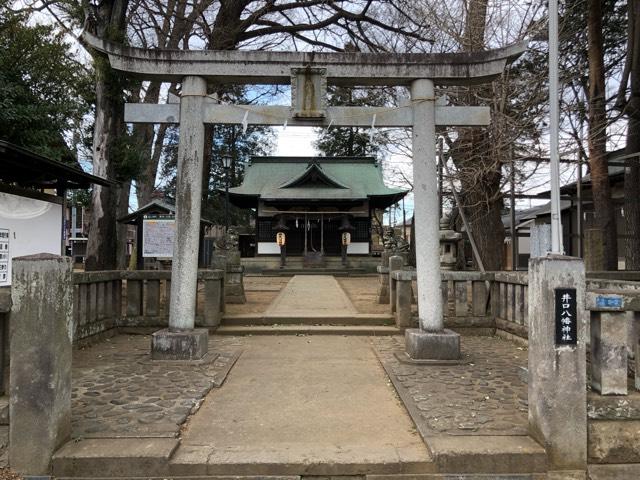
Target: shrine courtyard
[(300, 399)]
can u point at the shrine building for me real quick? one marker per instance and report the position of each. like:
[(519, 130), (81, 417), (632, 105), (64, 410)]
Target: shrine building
[(313, 200)]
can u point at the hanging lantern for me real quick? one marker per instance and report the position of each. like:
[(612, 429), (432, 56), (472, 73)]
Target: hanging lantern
[(346, 238)]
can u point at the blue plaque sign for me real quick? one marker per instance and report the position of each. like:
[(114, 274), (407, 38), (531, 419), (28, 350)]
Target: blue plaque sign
[(609, 301)]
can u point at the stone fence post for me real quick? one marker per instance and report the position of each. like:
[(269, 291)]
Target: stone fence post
[(396, 263), (557, 363), (404, 296), (214, 297), (383, 284), (40, 375), (612, 315)]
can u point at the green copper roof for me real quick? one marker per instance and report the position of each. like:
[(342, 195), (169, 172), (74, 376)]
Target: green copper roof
[(315, 179)]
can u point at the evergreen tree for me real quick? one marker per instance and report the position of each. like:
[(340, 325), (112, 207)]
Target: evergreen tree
[(45, 90), (353, 141)]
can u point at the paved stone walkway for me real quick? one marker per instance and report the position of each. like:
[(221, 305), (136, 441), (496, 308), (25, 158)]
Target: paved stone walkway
[(483, 397), (119, 391), (303, 403), (309, 295)]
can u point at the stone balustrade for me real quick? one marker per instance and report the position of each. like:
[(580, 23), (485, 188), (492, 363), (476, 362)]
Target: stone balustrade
[(465, 299), (108, 299), (509, 302)]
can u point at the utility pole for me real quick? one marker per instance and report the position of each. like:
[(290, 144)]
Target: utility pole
[(556, 221)]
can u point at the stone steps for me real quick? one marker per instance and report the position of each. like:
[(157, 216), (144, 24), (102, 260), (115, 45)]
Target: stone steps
[(250, 319), (454, 457), (336, 272), (400, 476), (370, 330)]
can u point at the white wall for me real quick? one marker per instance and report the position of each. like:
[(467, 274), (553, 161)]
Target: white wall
[(35, 226), (358, 248), (272, 248), (268, 248)]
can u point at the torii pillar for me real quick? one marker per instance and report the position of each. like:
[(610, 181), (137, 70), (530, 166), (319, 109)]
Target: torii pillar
[(181, 341), (431, 341)]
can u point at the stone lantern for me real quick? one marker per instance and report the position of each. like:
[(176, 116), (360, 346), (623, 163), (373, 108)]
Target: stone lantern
[(448, 244)]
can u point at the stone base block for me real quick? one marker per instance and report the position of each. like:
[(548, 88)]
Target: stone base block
[(421, 345), (186, 345)]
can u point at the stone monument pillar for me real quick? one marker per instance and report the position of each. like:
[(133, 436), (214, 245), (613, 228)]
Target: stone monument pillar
[(431, 341), (557, 362), (181, 340), (41, 334), (234, 271)]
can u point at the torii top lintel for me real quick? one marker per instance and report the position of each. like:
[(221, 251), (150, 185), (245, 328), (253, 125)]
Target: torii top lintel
[(268, 67)]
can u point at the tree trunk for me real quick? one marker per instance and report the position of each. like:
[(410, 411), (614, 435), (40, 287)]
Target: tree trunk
[(632, 170), (603, 205), (480, 173), (103, 244), (145, 137)]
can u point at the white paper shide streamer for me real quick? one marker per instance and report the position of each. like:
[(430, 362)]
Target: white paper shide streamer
[(245, 122), (373, 129)]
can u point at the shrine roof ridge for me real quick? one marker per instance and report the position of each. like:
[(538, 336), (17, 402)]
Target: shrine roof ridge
[(274, 67), (310, 159)]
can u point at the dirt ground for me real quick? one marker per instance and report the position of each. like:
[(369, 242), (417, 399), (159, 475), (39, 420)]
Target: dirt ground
[(363, 293), (260, 292)]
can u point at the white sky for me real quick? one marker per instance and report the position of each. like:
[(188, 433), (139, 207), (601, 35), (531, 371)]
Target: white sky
[(295, 141)]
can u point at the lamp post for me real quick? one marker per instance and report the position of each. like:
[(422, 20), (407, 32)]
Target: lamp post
[(226, 163)]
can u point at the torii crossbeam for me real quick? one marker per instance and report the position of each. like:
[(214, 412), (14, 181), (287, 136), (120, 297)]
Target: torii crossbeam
[(309, 75)]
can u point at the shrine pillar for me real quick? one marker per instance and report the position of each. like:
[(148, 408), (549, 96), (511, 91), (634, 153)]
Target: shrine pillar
[(431, 341), (181, 340)]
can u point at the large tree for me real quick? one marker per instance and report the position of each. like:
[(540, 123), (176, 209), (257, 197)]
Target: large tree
[(628, 101), (604, 214), (105, 246)]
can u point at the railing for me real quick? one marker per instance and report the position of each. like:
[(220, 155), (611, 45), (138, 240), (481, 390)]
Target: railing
[(509, 302), (465, 298), (108, 299)]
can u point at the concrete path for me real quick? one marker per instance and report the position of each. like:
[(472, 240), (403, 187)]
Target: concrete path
[(314, 405), (311, 295)]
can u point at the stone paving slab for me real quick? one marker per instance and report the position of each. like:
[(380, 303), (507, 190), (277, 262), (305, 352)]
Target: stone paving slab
[(483, 396), (119, 392), (318, 405), (317, 294)]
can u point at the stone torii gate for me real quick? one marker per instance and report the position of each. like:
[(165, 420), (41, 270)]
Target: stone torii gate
[(309, 74)]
